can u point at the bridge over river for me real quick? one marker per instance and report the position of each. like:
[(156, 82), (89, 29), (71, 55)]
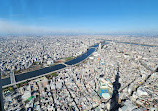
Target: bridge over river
[(14, 79)]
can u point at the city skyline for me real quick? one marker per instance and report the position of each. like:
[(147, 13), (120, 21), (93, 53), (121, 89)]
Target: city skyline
[(80, 55), (90, 16)]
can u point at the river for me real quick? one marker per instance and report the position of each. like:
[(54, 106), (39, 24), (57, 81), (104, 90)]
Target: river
[(45, 70), (28, 75)]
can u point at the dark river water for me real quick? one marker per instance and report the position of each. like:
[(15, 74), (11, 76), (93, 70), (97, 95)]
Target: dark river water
[(45, 70)]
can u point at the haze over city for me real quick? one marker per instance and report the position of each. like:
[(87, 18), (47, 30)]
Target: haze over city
[(79, 55), (81, 16)]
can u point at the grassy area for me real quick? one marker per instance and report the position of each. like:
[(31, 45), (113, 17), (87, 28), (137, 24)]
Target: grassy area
[(85, 61), (8, 89), (4, 76), (35, 63), (69, 58), (50, 76), (77, 65), (18, 71)]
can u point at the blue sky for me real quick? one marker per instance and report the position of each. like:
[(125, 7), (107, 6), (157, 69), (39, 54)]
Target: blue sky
[(78, 16)]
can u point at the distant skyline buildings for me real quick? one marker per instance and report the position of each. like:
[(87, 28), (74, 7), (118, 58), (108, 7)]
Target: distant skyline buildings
[(78, 16)]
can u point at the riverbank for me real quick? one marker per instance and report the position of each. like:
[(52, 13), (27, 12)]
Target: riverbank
[(47, 70)]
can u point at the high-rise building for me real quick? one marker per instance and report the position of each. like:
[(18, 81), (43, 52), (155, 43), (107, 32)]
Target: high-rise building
[(99, 47), (1, 97)]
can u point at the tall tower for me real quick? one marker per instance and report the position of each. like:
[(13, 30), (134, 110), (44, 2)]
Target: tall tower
[(12, 77), (99, 48), (1, 96)]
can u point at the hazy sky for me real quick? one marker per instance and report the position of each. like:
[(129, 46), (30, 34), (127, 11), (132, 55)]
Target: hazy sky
[(78, 16)]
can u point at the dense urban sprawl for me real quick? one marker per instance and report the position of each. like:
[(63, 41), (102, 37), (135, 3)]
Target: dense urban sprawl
[(117, 76)]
